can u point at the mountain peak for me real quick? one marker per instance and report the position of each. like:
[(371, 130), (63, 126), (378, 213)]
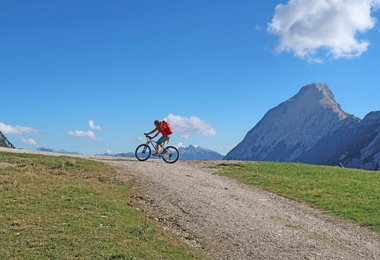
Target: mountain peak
[(318, 95), (373, 116), (294, 126), (318, 91), (321, 87)]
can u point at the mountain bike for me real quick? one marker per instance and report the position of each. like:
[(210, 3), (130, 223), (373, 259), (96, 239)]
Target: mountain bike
[(169, 154)]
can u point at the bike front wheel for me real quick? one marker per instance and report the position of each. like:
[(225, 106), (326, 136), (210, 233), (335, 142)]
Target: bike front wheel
[(170, 154), (143, 152)]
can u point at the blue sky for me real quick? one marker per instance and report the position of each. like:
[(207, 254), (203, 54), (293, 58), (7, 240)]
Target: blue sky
[(211, 67)]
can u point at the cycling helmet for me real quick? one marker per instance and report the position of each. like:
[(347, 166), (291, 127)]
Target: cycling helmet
[(156, 122)]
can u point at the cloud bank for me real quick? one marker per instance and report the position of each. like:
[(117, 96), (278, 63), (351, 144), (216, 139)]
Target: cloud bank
[(30, 141), (313, 29), (84, 134), (16, 130), (185, 126)]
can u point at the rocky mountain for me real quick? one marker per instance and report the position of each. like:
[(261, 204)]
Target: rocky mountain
[(355, 147), (312, 128), (363, 149), (294, 127), (4, 141), (198, 153)]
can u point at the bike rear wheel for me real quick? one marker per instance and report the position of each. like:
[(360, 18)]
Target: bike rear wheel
[(170, 154), (143, 152)]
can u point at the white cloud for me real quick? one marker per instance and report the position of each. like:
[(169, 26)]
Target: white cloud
[(92, 125), (309, 27), (185, 126), (30, 141), (16, 130), (84, 134), (108, 151)]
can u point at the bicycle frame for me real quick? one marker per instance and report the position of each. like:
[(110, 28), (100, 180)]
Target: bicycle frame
[(150, 141)]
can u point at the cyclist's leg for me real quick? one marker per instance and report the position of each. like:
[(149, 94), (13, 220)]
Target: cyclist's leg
[(159, 143)]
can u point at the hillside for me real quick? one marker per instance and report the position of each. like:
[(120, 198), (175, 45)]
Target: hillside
[(52, 206), (214, 215)]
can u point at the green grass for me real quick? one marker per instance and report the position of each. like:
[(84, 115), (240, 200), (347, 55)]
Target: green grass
[(66, 207), (348, 193)]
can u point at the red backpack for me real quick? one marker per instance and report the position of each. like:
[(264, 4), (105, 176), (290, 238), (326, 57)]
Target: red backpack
[(168, 130)]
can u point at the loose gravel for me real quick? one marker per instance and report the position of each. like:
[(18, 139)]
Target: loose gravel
[(231, 220)]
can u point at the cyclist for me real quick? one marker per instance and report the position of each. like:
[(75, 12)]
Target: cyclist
[(164, 128)]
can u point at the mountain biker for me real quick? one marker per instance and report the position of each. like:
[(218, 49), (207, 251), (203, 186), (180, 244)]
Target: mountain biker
[(164, 128)]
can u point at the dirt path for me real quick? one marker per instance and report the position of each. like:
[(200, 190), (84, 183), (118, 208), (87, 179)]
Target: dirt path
[(235, 221)]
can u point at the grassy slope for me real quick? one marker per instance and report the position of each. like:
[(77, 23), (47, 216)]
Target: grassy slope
[(54, 207), (349, 193)]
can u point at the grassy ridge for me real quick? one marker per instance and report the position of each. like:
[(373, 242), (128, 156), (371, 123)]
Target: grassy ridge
[(65, 207), (349, 193)]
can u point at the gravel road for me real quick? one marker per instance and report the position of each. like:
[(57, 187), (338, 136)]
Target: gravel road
[(230, 220)]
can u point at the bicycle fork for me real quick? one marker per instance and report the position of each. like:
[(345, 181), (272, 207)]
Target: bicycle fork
[(145, 147)]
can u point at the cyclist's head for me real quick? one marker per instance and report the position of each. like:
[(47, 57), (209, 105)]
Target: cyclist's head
[(156, 122)]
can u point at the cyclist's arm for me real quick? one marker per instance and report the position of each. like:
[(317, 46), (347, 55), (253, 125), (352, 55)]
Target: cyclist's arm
[(151, 132), (155, 135)]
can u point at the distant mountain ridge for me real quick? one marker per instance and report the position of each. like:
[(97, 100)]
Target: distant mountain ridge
[(4, 142), (129, 154), (49, 150), (311, 127), (191, 152)]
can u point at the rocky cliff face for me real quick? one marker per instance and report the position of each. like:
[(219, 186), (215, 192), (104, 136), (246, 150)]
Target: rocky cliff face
[(357, 146), (4, 141), (363, 148), (294, 127)]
